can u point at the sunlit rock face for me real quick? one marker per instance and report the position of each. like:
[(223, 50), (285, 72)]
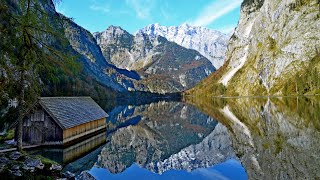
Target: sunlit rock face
[(210, 43), (170, 135), (273, 41), (275, 44), (164, 66), (275, 138)]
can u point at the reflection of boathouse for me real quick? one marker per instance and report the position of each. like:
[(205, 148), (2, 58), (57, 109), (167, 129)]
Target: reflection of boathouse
[(62, 120), (64, 155)]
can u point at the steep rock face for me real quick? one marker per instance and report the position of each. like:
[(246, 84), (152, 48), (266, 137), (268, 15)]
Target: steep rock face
[(163, 65), (94, 62), (210, 43), (274, 47), (125, 50), (273, 41)]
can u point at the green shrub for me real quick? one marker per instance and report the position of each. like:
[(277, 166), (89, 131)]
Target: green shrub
[(7, 136)]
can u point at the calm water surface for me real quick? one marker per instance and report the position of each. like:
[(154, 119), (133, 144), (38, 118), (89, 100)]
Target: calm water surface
[(240, 138)]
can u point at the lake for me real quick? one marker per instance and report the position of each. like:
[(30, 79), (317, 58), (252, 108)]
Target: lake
[(218, 138)]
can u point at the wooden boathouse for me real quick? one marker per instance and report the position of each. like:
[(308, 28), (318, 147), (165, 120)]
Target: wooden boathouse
[(63, 120)]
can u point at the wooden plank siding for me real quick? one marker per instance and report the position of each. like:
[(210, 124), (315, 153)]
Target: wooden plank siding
[(40, 128), (63, 120), (83, 130)]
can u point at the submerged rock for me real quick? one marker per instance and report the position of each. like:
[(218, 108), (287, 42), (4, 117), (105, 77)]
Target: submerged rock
[(27, 168), (15, 168), (34, 163), (16, 173), (15, 155), (56, 167), (3, 160), (68, 175), (85, 175)]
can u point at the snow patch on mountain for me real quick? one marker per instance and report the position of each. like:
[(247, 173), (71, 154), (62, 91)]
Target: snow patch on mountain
[(210, 43), (225, 79)]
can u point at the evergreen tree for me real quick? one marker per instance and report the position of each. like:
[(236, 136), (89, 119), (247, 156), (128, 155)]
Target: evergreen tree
[(33, 40)]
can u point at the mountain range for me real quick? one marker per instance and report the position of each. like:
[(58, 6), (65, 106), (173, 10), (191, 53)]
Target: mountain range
[(94, 62), (163, 66), (210, 43), (124, 62), (273, 50)]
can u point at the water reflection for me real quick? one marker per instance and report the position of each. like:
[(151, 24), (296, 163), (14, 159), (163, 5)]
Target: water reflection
[(163, 136), (73, 152), (235, 138), (158, 140), (230, 169), (275, 138)]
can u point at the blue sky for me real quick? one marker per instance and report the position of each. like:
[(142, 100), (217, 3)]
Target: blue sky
[(132, 15)]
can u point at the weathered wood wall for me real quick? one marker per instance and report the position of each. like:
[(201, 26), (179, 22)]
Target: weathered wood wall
[(40, 128), (83, 129)]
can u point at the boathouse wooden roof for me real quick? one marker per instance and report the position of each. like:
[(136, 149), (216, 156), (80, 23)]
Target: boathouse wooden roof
[(69, 112)]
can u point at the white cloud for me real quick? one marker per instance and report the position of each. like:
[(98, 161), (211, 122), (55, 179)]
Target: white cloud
[(102, 7), (214, 11), (228, 29), (142, 8), (164, 12)]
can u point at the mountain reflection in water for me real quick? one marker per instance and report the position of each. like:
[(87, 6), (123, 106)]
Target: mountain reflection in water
[(164, 140), (275, 138), (234, 138), (169, 135)]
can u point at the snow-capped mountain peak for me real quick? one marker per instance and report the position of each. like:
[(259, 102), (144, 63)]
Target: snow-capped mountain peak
[(210, 43)]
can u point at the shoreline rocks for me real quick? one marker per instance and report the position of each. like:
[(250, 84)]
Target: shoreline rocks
[(16, 164), (85, 175)]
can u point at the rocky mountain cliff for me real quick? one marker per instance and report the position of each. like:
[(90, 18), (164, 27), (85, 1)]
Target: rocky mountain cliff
[(210, 43), (274, 50), (94, 62), (163, 66), (154, 64)]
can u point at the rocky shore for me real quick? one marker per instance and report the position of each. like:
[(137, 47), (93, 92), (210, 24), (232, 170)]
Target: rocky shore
[(16, 165)]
